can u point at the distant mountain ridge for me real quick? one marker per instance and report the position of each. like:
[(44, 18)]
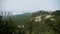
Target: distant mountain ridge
[(22, 18)]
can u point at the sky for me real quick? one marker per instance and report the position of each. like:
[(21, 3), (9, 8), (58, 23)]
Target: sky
[(22, 6)]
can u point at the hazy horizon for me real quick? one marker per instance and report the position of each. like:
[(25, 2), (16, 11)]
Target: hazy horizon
[(23, 6)]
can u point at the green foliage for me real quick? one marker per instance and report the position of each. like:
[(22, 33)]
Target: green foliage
[(7, 27), (49, 24)]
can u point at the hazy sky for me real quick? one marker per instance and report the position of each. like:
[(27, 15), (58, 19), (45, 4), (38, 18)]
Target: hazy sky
[(23, 6)]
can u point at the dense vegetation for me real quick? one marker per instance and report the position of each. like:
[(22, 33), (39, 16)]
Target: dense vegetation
[(40, 22)]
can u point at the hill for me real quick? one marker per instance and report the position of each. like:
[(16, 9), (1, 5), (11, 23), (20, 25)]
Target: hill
[(40, 22)]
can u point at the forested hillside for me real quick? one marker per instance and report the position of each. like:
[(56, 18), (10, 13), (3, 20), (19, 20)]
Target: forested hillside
[(40, 22)]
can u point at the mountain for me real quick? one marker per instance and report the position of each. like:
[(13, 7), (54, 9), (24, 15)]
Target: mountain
[(40, 22), (20, 19)]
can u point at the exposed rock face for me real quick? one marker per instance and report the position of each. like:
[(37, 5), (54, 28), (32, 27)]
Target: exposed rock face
[(38, 18)]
